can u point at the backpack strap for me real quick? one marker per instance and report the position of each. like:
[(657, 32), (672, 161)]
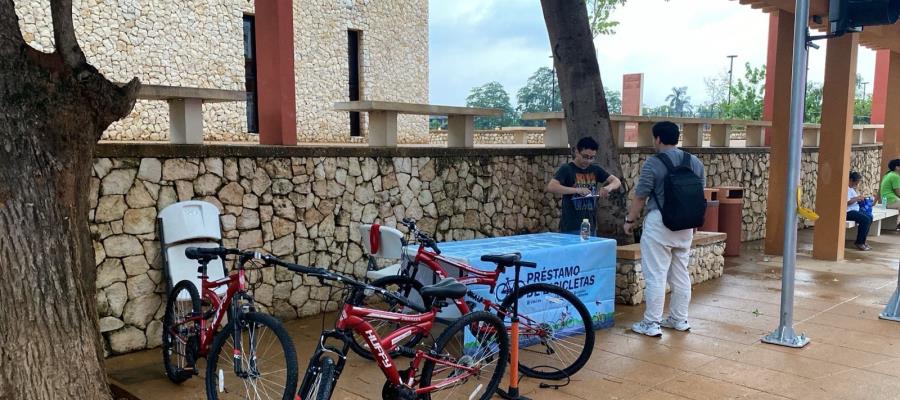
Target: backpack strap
[(666, 161), (686, 160)]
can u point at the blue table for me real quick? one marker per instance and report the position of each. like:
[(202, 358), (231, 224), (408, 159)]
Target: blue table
[(584, 267)]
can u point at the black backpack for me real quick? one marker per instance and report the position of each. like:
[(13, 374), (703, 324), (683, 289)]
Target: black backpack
[(685, 206)]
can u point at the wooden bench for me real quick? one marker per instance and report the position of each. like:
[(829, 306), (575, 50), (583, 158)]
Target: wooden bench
[(186, 108), (880, 216), (383, 120)]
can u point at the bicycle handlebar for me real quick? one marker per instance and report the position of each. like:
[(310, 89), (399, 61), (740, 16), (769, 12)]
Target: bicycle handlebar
[(422, 237)]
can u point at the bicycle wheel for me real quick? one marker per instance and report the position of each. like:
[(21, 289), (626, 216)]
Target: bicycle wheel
[(556, 333), (478, 340), (322, 377), (267, 359), (181, 332), (410, 289)]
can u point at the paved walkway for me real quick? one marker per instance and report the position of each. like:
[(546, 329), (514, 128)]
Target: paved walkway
[(853, 354)]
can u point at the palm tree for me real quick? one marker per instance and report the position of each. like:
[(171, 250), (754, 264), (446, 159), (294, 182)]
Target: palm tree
[(679, 101)]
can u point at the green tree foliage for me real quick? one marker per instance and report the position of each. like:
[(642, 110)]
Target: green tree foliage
[(679, 101), (598, 16), (540, 93), (813, 112), (747, 95), (613, 101), (492, 95)]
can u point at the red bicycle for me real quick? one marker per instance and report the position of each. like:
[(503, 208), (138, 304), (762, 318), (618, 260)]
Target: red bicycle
[(253, 346), (467, 361), (556, 333)]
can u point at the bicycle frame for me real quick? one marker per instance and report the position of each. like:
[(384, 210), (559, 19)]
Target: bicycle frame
[(355, 319), (236, 283), (474, 276)]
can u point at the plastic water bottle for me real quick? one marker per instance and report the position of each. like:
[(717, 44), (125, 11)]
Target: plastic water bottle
[(585, 229), (884, 202)]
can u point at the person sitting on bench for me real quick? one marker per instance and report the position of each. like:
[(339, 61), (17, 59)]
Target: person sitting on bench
[(890, 186), (863, 221)]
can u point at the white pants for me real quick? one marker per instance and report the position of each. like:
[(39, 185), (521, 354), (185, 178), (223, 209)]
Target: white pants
[(665, 254)]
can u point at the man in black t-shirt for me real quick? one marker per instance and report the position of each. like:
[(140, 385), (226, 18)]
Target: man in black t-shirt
[(579, 178)]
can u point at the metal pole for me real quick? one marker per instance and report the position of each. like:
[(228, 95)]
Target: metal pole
[(892, 309), (730, 75), (784, 335), (552, 84)]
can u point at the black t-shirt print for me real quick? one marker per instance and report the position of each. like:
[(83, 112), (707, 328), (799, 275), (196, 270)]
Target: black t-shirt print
[(575, 210)]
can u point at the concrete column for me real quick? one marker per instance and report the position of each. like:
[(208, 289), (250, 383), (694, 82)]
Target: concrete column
[(460, 131), (835, 137), (275, 72), (879, 89), (776, 33), (556, 134), (186, 121), (382, 129), (692, 135), (720, 135), (891, 137), (781, 48), (645, 134)]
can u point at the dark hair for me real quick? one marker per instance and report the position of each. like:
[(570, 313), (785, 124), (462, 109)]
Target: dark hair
[(893, 164), (587, 142), (667, 132), (855, 176)]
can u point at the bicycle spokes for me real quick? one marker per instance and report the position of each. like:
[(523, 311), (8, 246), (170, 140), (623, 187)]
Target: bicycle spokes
[(256, 359), (467, 363)]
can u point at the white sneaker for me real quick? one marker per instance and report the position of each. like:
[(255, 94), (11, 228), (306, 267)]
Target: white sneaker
[(672, 323), (647, 328)]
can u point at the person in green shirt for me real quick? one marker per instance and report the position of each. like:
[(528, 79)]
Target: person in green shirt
[(890, 186)]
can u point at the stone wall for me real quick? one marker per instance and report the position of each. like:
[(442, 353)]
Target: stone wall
[(200, 44), (707, 262), (300, 204), (748, 168), (304, 204)]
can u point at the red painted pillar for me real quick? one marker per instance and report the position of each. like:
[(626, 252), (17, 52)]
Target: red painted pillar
[(771, 64), (275, 72), (879, 92)]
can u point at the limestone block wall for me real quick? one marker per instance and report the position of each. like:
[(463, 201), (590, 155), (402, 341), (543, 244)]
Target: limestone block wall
[(305, 204), (707, 262), (200, 44)]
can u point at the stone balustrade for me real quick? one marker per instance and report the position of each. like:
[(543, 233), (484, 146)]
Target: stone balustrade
[(696, 132)]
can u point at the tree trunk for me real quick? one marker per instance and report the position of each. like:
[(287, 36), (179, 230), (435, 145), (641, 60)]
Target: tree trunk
[(54, 109), (583, 99)]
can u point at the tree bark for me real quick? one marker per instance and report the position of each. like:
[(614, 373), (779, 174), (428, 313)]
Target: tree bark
[(53, 109), (584, 101)]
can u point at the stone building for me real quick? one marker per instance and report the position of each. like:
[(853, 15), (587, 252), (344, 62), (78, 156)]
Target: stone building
[(209, 44)]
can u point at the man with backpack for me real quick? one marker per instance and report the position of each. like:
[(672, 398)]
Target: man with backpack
[(671, 186)]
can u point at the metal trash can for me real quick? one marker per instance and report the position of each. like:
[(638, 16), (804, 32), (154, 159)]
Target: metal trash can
[(731, 205), (711, 220)]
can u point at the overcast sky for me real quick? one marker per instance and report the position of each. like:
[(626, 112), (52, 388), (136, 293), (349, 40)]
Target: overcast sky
[(675, 43)]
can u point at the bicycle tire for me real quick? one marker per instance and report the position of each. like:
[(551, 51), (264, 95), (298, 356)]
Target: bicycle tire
[(323, 383), (249, 323), (398, 283), (565, 368), (185, 344), (495, 336)]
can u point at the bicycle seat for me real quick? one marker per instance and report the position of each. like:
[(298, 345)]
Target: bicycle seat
[(502, 259), (447, 288)]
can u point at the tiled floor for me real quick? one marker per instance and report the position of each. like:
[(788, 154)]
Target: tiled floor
[(853, 354)]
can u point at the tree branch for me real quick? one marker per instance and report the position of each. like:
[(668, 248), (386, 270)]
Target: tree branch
[(64, 34)]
